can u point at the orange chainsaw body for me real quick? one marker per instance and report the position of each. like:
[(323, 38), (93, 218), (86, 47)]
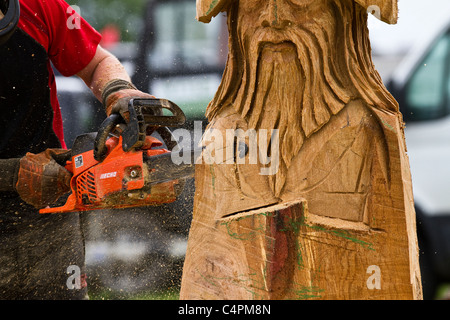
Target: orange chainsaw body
[(119, 181)]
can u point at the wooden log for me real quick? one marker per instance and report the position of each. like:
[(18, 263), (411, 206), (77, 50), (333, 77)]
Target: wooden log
[(285, 252), (326, 211), (329, 254)]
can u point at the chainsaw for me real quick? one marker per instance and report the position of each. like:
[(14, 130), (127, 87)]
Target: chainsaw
[(123, 165)]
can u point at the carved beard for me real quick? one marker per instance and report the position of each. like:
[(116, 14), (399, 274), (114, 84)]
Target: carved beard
[(285, 87), (276, 105), (295, 78)]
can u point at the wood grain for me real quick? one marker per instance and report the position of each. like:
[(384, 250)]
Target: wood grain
[(335, 219)]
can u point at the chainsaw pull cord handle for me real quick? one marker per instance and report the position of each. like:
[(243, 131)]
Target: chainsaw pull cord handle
[(107, 126)]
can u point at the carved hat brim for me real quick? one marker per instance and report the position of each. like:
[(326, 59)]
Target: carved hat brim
[(385, 10)]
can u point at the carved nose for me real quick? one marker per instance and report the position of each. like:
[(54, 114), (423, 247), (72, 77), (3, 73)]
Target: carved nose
[(277, 15)]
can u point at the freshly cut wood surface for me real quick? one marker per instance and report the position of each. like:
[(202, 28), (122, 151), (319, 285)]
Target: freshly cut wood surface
[(285, 252), (327, 211)]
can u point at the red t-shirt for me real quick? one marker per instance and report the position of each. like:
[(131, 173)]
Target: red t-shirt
[(69, 40)]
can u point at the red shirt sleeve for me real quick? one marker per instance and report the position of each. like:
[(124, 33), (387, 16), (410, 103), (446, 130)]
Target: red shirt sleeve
[(70, 41)]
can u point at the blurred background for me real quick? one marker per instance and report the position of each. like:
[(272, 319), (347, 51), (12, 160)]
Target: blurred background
[(138, 254)]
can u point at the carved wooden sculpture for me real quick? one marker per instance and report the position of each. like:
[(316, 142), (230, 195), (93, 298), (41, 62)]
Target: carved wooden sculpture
[(326, 211)]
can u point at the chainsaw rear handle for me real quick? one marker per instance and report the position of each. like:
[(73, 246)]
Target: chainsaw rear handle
[(143, 113)]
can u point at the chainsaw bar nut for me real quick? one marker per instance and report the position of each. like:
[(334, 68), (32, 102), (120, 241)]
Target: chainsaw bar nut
[(134, 172)]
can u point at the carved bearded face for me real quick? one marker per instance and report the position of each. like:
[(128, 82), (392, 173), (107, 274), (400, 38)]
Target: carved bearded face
[(283, 44), (293, 64)]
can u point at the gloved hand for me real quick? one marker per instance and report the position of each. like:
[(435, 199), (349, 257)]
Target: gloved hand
[(41, 180), (117, 94)]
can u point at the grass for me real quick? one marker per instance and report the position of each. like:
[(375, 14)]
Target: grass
[(108, 295), (163, 294)]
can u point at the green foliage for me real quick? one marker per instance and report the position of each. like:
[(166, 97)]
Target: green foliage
[(127, 15)]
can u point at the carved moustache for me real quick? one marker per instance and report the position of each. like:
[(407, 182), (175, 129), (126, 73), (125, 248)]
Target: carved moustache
[(322, 93), (284, 87)]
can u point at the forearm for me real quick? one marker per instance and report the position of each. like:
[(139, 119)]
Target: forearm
[(110, 83), (103, 68), (8, 174)]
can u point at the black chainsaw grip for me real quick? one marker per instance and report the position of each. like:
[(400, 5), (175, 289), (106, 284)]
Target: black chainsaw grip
[(148, 113), (143, 113), (107, 126)]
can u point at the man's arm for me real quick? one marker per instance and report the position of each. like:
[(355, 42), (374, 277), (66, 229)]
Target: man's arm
[(103, 68), (110, 83), (39, 179)]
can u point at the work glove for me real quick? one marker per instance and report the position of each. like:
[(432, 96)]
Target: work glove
[(41, 178), (117, 94)]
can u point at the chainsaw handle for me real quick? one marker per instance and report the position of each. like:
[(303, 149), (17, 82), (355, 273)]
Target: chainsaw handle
[(143, 113), (107, 126), (153, 119)]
